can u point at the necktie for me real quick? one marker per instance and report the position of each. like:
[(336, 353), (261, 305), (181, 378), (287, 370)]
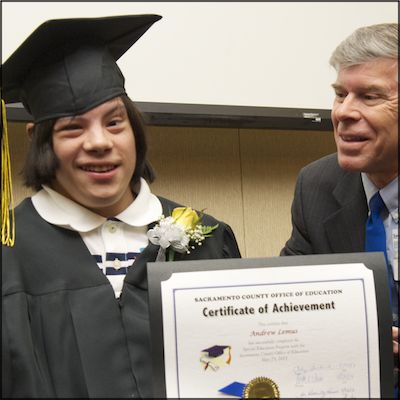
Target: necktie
[(375, 240), (375, 236)]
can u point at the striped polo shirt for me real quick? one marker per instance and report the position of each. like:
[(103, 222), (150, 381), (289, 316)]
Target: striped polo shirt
[(113, 242)]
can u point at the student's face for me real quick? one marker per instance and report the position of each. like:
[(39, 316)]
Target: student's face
[(364, 117), (97, 156)]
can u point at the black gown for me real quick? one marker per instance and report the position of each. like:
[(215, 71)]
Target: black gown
[(64, 334)]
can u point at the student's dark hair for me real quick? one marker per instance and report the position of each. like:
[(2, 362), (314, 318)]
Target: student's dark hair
[(143, 167), (41, 162)]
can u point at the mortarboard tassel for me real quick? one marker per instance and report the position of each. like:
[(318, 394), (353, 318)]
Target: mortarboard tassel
[(228, 361), (7, 200)]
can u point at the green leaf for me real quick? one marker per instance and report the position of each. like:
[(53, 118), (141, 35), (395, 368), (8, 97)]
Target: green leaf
[(206, 230)]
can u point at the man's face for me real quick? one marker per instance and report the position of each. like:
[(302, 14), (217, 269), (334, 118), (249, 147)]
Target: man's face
[(97, 156), (364, 117)]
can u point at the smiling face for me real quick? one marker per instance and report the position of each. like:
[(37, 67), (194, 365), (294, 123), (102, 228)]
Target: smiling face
[(365, 119), (97, 156)]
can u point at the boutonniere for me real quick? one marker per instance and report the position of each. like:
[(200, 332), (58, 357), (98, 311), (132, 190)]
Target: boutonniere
[(181, 232)]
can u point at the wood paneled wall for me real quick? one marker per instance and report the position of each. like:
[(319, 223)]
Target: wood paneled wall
[(244, 177)]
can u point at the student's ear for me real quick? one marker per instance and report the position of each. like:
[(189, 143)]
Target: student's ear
[(29, 129)]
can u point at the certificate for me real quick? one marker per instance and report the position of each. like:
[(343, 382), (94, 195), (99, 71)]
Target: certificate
[(310, 330)]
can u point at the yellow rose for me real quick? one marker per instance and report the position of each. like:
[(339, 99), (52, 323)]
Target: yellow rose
[(185, 216)]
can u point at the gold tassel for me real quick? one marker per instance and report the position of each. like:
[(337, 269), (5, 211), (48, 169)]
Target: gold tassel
[(7, 200)]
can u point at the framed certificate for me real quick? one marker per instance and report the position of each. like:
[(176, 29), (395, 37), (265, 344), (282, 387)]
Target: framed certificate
[(300, 326)]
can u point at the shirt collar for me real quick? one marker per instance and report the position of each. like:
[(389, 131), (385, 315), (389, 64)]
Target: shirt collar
[(389, 194), (62, 211)]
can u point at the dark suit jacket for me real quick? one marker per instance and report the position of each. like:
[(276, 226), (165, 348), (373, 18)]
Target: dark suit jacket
[(329, 210), (64, 332), (329, 213)]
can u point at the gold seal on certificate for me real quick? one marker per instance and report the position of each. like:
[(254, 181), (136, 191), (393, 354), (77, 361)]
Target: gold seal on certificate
[(261, 388)]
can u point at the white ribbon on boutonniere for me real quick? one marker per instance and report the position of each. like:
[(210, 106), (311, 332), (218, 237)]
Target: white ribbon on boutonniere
[(181, 232)]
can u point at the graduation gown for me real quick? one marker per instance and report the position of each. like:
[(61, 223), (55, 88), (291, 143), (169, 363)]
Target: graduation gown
[(64, 332)]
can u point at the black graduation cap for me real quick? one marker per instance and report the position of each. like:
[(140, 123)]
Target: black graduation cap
[(65, 67), (215, 351), (68, 66)]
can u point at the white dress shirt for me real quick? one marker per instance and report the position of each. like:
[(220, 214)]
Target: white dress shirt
[(390, 218)]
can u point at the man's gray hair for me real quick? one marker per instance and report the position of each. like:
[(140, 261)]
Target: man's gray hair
[(365, 44)]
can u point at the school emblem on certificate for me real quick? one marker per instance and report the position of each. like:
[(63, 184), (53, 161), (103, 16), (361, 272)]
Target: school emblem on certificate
[(257, 388), (261, 388)]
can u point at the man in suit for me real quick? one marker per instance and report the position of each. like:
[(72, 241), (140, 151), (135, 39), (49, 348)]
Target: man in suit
[(332, 195), (75, 307)]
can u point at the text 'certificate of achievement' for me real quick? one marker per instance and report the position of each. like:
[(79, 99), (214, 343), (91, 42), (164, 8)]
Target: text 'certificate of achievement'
[(300, 332)]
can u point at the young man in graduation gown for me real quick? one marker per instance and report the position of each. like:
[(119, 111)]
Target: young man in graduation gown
[(75, 308)]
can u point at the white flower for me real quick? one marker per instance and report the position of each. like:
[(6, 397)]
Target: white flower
[(169, 234), (178, 231)]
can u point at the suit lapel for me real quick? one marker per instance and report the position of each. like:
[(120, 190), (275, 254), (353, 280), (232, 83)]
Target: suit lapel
[(345, 227)]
